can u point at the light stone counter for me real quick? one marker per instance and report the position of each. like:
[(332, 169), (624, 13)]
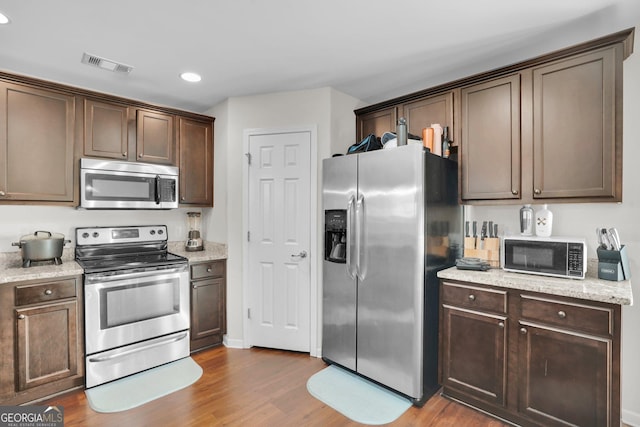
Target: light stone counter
[(11, 269), (590, 288), (212, 251)]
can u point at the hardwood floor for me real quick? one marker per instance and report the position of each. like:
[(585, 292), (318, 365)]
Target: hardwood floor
[(255, 387)]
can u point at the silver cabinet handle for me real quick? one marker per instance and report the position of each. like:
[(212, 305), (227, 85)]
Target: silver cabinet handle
[(302, 254), (472, 297), (48, 292), (562, 314), (523, 331), (2, 193), (21, 316), (514, 192), (209, 269), (537, 191), (124, 154), (140, 155), (501, 325)]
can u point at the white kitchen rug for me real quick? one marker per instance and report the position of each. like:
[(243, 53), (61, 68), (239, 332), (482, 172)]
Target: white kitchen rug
[(138, 389), (356, 398)]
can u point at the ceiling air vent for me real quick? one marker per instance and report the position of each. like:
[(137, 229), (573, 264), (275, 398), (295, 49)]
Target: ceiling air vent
[(105, 64)]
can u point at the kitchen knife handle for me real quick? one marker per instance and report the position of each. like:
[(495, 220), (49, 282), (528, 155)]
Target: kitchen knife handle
[(466, 229), (475, 228)]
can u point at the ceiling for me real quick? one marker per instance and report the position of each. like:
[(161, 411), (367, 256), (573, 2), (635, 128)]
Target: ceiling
[(370, 49)]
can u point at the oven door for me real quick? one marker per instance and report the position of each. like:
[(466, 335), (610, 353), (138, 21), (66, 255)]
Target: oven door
[(127, 308)]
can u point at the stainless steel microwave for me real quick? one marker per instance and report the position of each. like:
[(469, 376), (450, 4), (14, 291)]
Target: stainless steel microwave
[(111, 184), (548, 256)]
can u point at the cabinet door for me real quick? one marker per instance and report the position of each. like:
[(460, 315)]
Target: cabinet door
[(105, 129), (564, 377), (576, 146), (36, 144), (490, 156), (376, 122), (196, 162), (425, 112), (47, 341), (474, 354), (155, 138), (207, 312)]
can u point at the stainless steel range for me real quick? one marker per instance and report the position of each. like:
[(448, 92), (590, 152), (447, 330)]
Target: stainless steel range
[(136, 301)]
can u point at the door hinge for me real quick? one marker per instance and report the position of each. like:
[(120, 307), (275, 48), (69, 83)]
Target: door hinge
[(248, 158), (248, 313)]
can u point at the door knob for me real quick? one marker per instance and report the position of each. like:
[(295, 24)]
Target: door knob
[(302, 254)]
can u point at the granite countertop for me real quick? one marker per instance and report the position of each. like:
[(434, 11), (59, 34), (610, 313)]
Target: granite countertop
[(590, 288), (212, 251), (11, 269)]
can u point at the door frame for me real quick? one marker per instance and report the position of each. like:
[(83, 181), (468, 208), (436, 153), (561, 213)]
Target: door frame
[(313, 238)]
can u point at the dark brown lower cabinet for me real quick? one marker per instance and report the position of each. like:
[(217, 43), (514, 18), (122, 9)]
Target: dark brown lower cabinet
[(208, 304), (43, 350), (542, 361)]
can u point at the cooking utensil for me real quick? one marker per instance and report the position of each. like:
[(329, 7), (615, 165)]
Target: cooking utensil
[(614, 237), (601, 244), (605, 239), (41, 246)]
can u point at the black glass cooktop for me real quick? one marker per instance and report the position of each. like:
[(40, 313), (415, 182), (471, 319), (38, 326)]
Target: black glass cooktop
[(114, 263)]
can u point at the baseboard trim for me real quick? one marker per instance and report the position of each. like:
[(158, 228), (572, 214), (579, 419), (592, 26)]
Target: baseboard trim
[(630, 418), (232, 343)]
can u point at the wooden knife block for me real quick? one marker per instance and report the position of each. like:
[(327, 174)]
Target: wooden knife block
[(487, 249)]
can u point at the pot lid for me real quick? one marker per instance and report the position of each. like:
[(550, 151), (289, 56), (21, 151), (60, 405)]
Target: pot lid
[(41, 235)]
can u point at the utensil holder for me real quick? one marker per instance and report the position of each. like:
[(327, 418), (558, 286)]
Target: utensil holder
[(487, 249), (613, 265)]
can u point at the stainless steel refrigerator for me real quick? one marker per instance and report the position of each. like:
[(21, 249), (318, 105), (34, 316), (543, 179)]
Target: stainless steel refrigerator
[(392, 221)]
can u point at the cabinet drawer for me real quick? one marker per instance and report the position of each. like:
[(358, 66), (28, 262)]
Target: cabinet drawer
[(207, 270), (474, 297), (41, 292), (577, 316)]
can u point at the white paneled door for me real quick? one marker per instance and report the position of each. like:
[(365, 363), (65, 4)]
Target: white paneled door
[(279, 240)]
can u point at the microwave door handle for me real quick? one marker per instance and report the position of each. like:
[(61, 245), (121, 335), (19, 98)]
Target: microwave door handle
[(157, 189)]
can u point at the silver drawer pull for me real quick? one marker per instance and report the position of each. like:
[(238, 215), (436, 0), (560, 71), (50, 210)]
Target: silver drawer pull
[(209, 270), (523, 331), (562, 314), (501, 325), (48, 292), (2, 193), (472, 297), (21, 316)]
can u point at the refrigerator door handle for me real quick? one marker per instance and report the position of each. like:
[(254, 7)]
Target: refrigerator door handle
[(351, 244), (361, 267)]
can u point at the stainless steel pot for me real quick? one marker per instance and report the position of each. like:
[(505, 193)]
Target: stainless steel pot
[(41, 246)]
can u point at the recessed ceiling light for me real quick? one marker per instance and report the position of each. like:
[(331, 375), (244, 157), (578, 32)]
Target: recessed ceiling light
[(4, 19), (190, 77)]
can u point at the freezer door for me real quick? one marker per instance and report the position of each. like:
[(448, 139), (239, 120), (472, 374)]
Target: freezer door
[(390, 214), (339, 185)]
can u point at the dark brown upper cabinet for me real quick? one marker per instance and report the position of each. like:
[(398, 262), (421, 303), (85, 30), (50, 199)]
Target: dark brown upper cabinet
[(376, 122), (577, 138), (490, 152), (196, 162), (106, 129), (424, 112), (37, 132), (156, 142)]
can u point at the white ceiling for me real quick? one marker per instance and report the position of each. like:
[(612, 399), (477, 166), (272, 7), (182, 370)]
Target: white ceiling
[(370, 49)]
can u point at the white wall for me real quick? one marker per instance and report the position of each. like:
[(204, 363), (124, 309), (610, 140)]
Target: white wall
[(582, 219), (16, 221), (331, 111)]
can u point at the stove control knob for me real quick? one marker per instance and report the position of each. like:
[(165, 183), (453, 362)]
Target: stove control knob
[(152, 232), (85, 235), (95, 234), (160, 232)]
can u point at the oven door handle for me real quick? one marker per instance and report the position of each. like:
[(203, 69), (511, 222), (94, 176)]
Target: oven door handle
[(98, 278), (138, 349)]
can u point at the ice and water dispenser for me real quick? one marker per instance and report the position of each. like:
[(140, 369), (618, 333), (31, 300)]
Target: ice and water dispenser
[(335, 236)]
